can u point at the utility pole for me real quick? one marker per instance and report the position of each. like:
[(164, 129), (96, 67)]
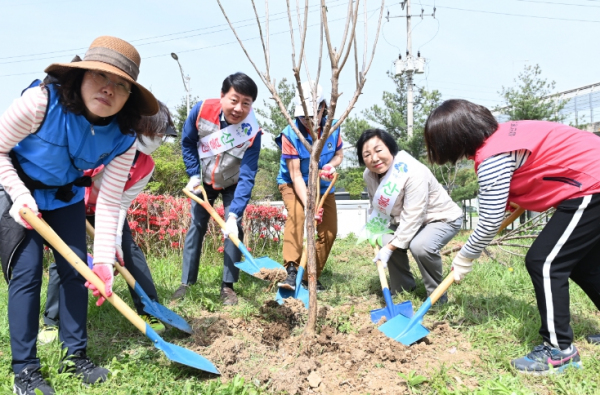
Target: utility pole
[(409, 75), (410, 65)]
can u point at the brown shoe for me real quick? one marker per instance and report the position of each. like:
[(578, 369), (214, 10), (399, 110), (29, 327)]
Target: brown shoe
[(228, 296)]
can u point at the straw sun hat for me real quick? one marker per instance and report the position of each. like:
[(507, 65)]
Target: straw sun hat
[(115, 56)]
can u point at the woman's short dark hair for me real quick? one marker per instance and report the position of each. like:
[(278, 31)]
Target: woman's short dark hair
[(68, 86), (456, 129), (152, 125), (368, 134), (242, 84)]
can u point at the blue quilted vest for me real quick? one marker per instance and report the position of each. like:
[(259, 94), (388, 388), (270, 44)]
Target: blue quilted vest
[(63, 147), (328, 152)]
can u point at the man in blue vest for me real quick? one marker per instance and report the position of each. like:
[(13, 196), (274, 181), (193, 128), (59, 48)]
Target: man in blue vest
[(220, 145)]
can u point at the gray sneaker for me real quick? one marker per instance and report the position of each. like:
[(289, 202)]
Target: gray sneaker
[(546, 359), (180, 292)]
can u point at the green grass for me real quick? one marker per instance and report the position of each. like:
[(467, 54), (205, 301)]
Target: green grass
[(495, 307)]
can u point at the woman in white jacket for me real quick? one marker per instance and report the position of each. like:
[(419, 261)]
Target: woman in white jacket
[(409, 210)]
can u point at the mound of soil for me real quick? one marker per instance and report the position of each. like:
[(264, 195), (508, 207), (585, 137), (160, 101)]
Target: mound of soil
[(348, 355)]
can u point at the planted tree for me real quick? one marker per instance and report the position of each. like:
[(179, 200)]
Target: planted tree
[(338, 54)]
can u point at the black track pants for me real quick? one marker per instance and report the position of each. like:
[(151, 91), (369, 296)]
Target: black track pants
[(568, 247)]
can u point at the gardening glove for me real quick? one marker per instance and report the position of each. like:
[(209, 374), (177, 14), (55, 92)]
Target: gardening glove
[(327, 173), (194, 184), (105, 272), (119, 254), (319, 216), (231, 227), (461, 266), (383, 255), (24, 200)]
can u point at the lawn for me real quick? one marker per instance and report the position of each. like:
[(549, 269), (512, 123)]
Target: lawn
[(491, 318)]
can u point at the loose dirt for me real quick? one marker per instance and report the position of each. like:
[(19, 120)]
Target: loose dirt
[(348, 355), (271, 275)]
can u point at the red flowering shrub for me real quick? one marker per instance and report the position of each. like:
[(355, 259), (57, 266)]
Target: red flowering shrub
[(159, 223)]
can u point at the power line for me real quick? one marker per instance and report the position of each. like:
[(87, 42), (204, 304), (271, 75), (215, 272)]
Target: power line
[(164, 35), (519, 15), (567, 4), (194, 49)]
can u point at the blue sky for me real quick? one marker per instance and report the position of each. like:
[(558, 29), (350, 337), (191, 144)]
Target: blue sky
[(472, 47)]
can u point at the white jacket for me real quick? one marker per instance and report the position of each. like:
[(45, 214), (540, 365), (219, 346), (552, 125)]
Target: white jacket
[(422, 200)]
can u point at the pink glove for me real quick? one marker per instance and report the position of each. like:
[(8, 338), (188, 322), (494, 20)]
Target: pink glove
[(319, 216), (104, 271), (327, 173)]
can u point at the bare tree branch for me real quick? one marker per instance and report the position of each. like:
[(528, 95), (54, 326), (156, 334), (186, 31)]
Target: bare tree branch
[(366, 70), (352, 35), (262, 40), (349, 17)]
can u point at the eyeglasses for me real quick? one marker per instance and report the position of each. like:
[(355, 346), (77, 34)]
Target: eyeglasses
[(102, 79)]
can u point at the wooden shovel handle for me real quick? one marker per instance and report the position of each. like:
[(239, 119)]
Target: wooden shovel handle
[(211, 211), (443, 287), (121, 269), (304, 257), (512, 217), (63, 249), (381, 271)]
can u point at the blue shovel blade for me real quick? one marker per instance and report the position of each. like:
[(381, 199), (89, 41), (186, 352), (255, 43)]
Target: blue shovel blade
[(161, 312), (404, 308), (181, 355), (407, 330), (300, 293), (253, 266)]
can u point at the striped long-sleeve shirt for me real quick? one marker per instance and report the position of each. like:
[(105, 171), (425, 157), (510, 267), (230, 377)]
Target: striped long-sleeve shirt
[(23, 118), (494, 176)]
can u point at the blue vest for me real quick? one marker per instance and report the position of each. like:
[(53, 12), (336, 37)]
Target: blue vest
[(63, 147), (328, 152)]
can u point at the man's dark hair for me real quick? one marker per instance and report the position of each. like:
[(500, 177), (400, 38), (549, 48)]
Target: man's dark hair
[(68, 87), (456, 129), (242, 84), (368, 134)]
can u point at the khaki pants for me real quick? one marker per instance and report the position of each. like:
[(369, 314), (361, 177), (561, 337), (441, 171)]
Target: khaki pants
[(293, 235)]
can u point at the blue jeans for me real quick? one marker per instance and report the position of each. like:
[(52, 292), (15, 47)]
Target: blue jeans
[(26, 284), (192, 248)]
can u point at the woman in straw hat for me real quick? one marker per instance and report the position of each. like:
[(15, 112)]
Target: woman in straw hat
[(84, 117)]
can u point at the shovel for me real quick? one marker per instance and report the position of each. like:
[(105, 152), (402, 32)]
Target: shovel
[(251, 265), (173, 352), (150, 306), (390, 310), (300, 292), (409, 330)]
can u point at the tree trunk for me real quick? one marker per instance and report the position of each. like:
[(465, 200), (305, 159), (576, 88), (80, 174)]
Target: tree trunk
[(312, 201)]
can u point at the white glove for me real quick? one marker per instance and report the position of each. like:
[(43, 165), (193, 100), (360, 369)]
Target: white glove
[(24, 200), (383, 255), (461, 266), (119, 254), (193, 184), (327, 173), (231, 227)]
